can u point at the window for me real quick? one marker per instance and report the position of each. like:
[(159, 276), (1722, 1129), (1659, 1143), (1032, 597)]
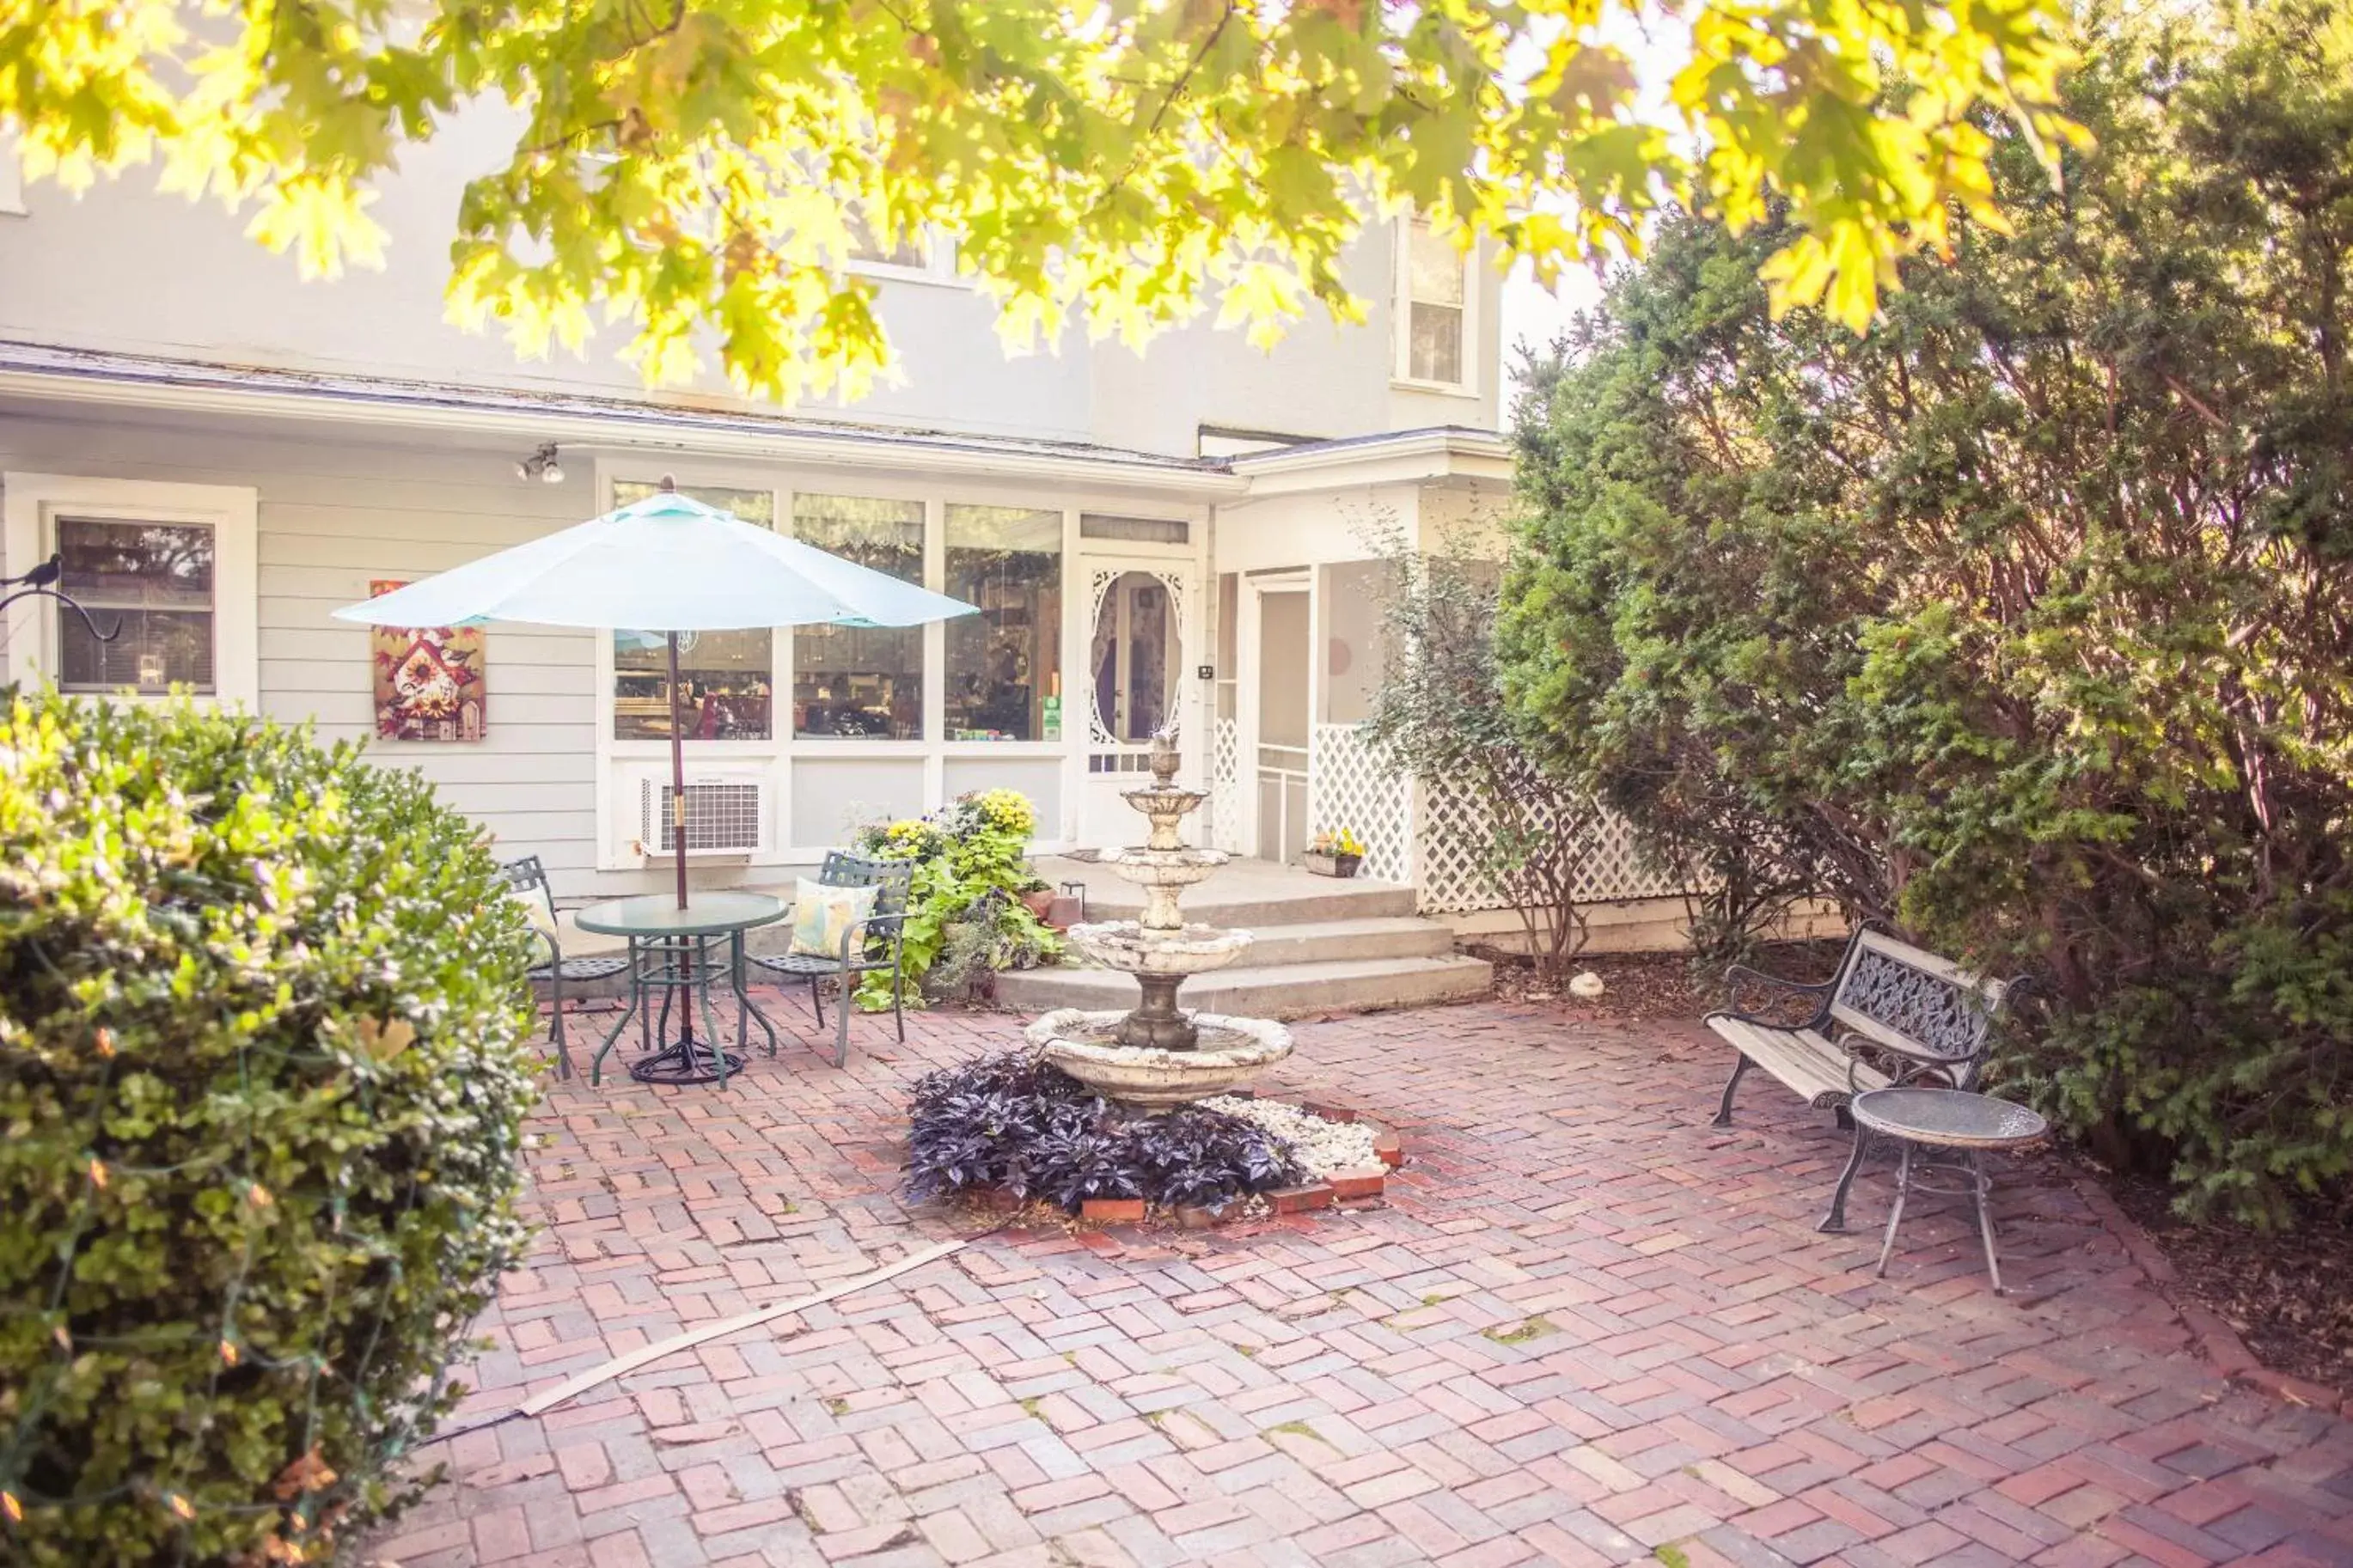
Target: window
[(168, 570), (726, 677), (150, 585), (921, 254), (1135, 530), (12, 177), (861, 681), (1433, 307), (1005, 664)]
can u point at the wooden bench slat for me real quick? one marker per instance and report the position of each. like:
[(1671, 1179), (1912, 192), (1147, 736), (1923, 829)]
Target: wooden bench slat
[(1800, 1059)]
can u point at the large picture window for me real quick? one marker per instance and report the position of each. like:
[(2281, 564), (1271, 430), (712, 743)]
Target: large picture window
[(726, 677), (1005, 664), (861, 681), (154, 579)]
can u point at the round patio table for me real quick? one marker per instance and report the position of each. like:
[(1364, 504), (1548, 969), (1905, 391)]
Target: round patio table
[(679, 953), (1959, 1126)]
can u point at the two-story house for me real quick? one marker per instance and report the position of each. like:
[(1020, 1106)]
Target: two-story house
[(223, 454)]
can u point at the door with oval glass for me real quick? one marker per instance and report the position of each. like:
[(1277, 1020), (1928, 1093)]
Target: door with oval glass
[(1135, 663)]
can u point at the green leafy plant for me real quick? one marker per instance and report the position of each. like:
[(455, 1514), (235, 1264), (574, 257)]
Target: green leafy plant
[(1440, 714), (964, 916), (2026, 618), (262, 1079)]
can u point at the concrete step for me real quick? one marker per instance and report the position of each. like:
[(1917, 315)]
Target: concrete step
[(1319, 941), (1331, 899), (1262, 991)]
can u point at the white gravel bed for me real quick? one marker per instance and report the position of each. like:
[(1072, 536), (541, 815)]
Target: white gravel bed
[(1322, 1146)]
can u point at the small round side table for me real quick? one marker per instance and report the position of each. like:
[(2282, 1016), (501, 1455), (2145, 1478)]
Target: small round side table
[(1959, 1127)]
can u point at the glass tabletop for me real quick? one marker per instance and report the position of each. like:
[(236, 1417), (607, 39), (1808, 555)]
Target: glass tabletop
[(658, 914), (1947, 1116)]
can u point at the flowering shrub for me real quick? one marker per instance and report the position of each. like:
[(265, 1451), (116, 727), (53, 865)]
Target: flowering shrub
[(1012, 1123), (971, 860), (1335, 841), (262, 1078)]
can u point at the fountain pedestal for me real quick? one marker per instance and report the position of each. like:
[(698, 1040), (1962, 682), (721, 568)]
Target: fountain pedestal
[(1156, 1055)]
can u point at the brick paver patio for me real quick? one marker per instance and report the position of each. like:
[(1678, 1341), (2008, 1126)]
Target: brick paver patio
[(1587, 1327)]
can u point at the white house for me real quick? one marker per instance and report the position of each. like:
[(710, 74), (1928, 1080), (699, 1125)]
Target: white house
[(222, 454)]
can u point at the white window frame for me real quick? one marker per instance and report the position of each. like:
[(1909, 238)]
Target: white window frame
[(939, 266), (1401, 370), (29, 505), (12, 177)]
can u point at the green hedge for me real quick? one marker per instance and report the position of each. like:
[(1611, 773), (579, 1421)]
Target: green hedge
[(262, 1076)]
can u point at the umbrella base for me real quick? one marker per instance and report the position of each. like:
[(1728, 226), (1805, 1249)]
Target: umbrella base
[(686, 1062)]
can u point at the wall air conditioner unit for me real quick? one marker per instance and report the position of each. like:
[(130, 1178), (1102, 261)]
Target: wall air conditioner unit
[(726, 815)]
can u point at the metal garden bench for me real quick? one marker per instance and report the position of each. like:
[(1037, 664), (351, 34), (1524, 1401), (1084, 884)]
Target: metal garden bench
[(1894, 1015), (871, 943)]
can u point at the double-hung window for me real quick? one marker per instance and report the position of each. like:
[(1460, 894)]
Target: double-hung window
[(163, 575), (1433, 309)]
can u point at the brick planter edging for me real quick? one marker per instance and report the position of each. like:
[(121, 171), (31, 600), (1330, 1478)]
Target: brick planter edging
[(1358, 1188), (2216, 1340)]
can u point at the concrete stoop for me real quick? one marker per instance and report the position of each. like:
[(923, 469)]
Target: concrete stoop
[(1324, 945)]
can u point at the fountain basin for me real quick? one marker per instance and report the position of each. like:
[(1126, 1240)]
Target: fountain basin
[(1137, 949), (1149, 868), (1231, 1052)]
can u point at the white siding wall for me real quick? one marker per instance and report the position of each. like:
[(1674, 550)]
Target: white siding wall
[(122, 269), (336, 513)]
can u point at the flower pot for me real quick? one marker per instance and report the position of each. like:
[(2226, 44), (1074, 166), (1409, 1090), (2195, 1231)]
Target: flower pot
[(1039, 901), (1334, 865)]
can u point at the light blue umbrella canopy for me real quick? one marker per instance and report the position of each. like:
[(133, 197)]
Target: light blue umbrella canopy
[(669, 564)]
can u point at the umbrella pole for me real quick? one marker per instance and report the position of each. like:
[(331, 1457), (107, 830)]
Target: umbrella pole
[(677, 775)]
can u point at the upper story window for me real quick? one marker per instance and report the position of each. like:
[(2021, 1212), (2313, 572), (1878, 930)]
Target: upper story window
[(923, 254), (726, 678), (1433, 309), (861, 681), (12, 177)]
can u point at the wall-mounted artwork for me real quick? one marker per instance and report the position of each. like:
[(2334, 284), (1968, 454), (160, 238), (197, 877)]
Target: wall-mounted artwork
[(428, 679)]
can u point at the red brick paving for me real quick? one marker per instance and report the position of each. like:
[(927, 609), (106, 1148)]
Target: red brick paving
[(1585, 1328)]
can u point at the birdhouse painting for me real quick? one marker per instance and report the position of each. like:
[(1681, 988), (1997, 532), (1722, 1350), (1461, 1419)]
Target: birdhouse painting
[(428, 679)]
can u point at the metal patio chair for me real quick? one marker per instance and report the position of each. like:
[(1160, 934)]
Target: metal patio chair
[(528, 878), (870, 944)]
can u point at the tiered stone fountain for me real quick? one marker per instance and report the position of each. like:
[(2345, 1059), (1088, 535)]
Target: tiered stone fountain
[(1156, 1056)]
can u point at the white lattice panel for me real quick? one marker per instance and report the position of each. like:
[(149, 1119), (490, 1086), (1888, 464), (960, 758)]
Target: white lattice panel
[(1225, 807), (1351, 783), (1455, 830)]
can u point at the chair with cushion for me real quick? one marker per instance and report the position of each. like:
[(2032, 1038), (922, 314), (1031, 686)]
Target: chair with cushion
[(845, 923), (573, 954)]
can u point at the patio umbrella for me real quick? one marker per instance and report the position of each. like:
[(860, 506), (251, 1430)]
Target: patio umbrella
[(670, 562)]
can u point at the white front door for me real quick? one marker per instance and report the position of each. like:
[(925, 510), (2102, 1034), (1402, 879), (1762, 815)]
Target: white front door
[(1133, 680)]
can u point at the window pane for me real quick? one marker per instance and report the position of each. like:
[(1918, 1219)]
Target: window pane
[(1141, 530), (1134, 658), (154, 580), (861, 681), (1437, 345), (725, 678), (1435, 267), (1005, 664), (911, 251)]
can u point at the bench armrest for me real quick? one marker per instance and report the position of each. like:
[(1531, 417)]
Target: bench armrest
[(1740, 971)]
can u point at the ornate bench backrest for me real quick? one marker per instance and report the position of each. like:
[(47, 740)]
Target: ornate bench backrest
[(1901, 995)]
